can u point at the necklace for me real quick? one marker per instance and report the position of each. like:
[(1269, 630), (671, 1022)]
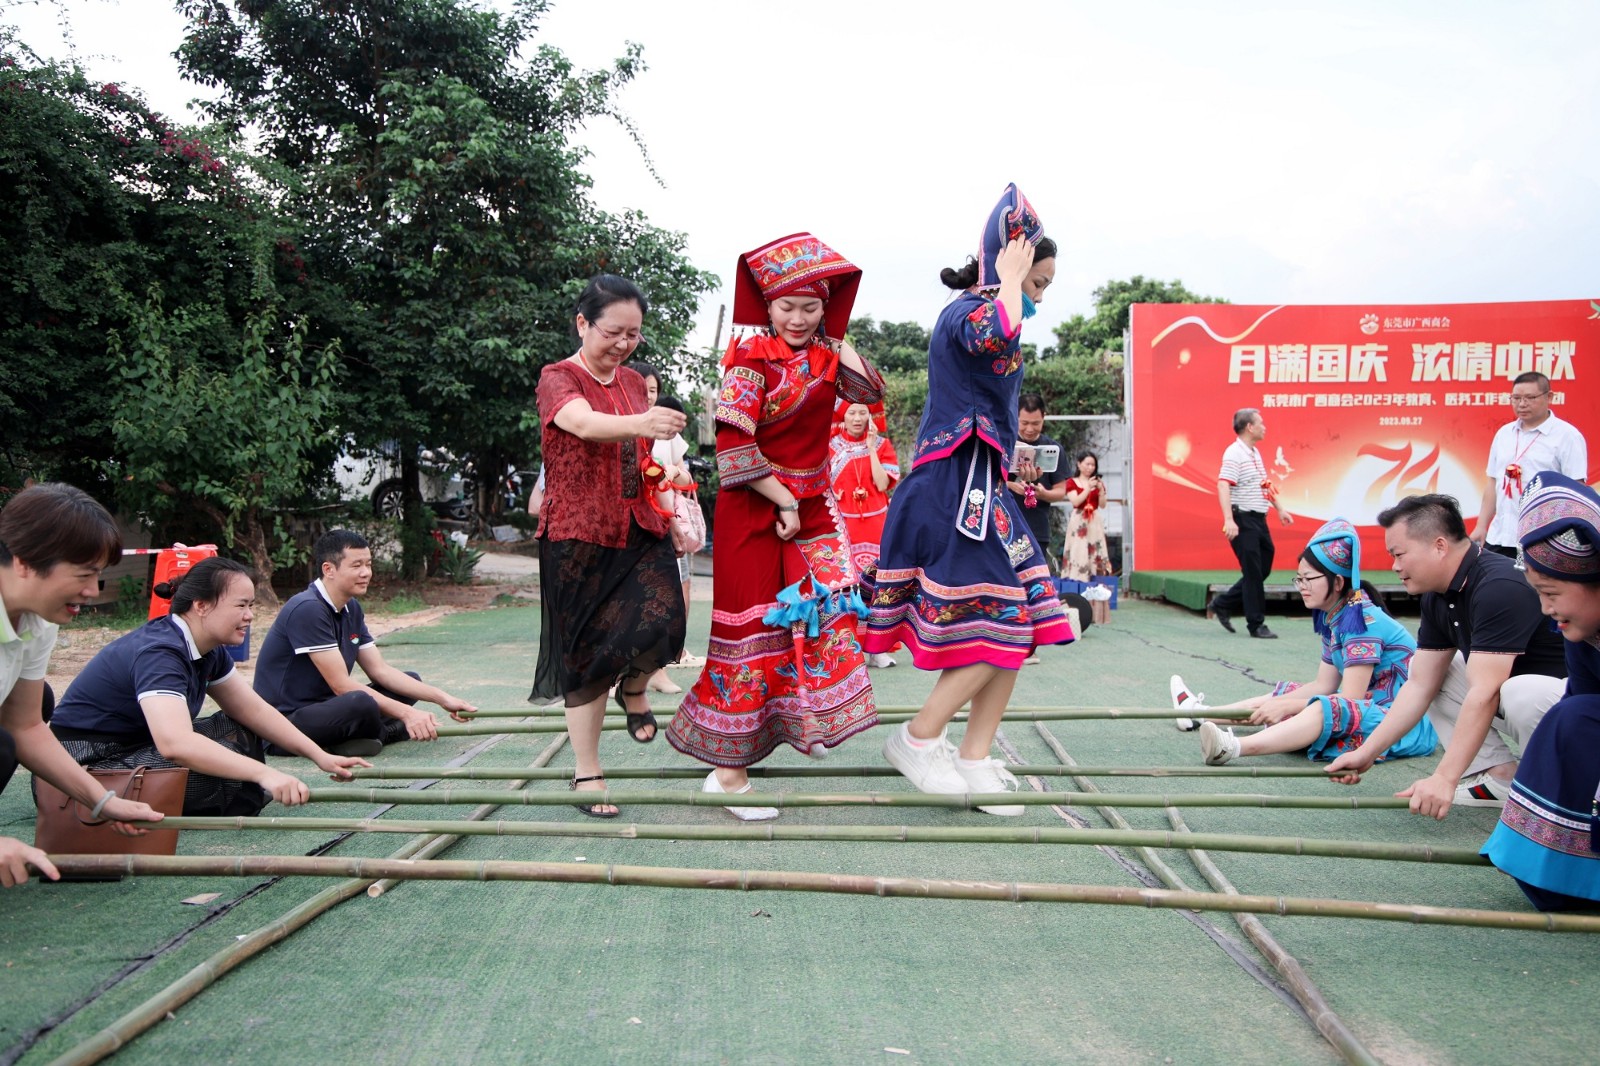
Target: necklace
[(598, 379)]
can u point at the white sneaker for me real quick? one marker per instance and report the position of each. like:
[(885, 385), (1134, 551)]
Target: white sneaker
[(1482, 789), (930, 767), (991, 775), (880, 660), (1219, 746), (744, 814), (1184, 700), (1032, 660)]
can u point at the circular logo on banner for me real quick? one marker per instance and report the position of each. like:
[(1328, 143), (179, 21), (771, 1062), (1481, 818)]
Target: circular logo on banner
[(1369, 323)]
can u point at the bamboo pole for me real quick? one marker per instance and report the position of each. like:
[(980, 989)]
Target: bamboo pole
[(693, 773), (435, 846), (148, 1014), (1328, 1022), (800, 881), (1152, 861), (886, 716), (1124, 836), (1305, 992), (851, 799), (907, 710)]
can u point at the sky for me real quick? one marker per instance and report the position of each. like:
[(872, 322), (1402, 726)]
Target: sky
[(1393, 152)]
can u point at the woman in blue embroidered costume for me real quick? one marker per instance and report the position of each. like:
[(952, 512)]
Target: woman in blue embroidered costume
[(1549, 832), (783, 665), (1366, 657), (960, 580)]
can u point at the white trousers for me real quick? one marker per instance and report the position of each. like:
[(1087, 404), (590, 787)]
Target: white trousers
[(1523, 701)]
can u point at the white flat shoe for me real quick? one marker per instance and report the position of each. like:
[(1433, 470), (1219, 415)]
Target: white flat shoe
[(744, 814)]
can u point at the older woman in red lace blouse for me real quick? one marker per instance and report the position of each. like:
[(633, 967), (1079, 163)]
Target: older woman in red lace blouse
[(612, 610)]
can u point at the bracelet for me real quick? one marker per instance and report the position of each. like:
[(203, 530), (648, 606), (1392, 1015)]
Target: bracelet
[(792, 507), (94, 815)]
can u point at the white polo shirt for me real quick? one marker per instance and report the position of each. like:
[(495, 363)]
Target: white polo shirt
[(1243, 469), (25, 650), (1554, 445)]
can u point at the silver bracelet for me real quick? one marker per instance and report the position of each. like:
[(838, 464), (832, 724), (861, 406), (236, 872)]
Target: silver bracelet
[(792, 507), (94, 815)]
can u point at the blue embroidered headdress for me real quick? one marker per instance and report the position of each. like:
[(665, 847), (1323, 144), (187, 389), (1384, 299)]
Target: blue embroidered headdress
[(1337, 546), (1559, 528), (1011, 218)]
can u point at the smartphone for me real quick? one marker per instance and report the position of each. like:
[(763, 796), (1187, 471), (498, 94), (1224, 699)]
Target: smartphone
[(1045, 456)]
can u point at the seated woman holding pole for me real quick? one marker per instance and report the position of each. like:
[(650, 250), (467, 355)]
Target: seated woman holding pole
[(1366, 657), (138, 702), (55, 541), (1549, 832)]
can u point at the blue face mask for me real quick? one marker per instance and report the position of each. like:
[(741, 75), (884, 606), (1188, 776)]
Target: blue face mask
[(1029, 308)]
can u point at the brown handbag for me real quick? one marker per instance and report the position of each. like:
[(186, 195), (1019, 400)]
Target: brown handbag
[(64, 828)]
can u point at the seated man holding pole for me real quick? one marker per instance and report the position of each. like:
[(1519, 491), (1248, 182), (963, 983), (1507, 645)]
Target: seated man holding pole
[(1487, 665), (316, 641)]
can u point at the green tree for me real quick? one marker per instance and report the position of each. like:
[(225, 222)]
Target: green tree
[(448, 226), (232, 443), (1091, 335), (890, 346), (100, 197)]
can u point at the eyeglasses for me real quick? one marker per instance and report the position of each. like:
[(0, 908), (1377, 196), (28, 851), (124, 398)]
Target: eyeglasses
[(1303, 582), (1528, 399)]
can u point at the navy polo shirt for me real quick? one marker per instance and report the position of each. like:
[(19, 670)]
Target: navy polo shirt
[(157, 659), (1490, 607), (285, 675)]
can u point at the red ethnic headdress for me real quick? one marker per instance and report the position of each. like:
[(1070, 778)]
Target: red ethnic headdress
[(796, 265)]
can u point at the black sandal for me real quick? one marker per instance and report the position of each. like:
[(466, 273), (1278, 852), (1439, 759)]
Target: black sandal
[(637, 722), (589, 809)]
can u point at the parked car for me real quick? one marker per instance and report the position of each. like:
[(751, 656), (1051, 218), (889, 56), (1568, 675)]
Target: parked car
[(448, 486), (442, 482)]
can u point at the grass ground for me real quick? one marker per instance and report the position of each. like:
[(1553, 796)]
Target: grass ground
[(500, 972)]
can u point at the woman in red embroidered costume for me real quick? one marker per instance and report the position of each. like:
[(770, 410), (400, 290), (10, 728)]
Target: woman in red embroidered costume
[(1086, 555), (863, 467), (783, 665), (612, 610)]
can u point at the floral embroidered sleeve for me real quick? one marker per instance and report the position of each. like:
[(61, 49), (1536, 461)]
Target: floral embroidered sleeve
[(889, 460), (1362, 650), (856, 388), (987, 331), (739, 404)]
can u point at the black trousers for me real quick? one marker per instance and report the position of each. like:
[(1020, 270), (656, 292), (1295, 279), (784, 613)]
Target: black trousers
[(8, 759), (8, 743), (1254, 550), (349, 716)]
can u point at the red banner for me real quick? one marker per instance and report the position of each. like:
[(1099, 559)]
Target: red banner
[(1363, 405)]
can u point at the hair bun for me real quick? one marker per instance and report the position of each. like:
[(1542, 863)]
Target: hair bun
[(166, 589), (965, 278)]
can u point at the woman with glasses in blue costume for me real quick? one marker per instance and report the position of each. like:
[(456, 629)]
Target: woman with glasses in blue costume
[(1366, 657)]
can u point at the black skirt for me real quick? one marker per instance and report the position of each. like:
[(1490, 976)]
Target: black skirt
[(608, 614)]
